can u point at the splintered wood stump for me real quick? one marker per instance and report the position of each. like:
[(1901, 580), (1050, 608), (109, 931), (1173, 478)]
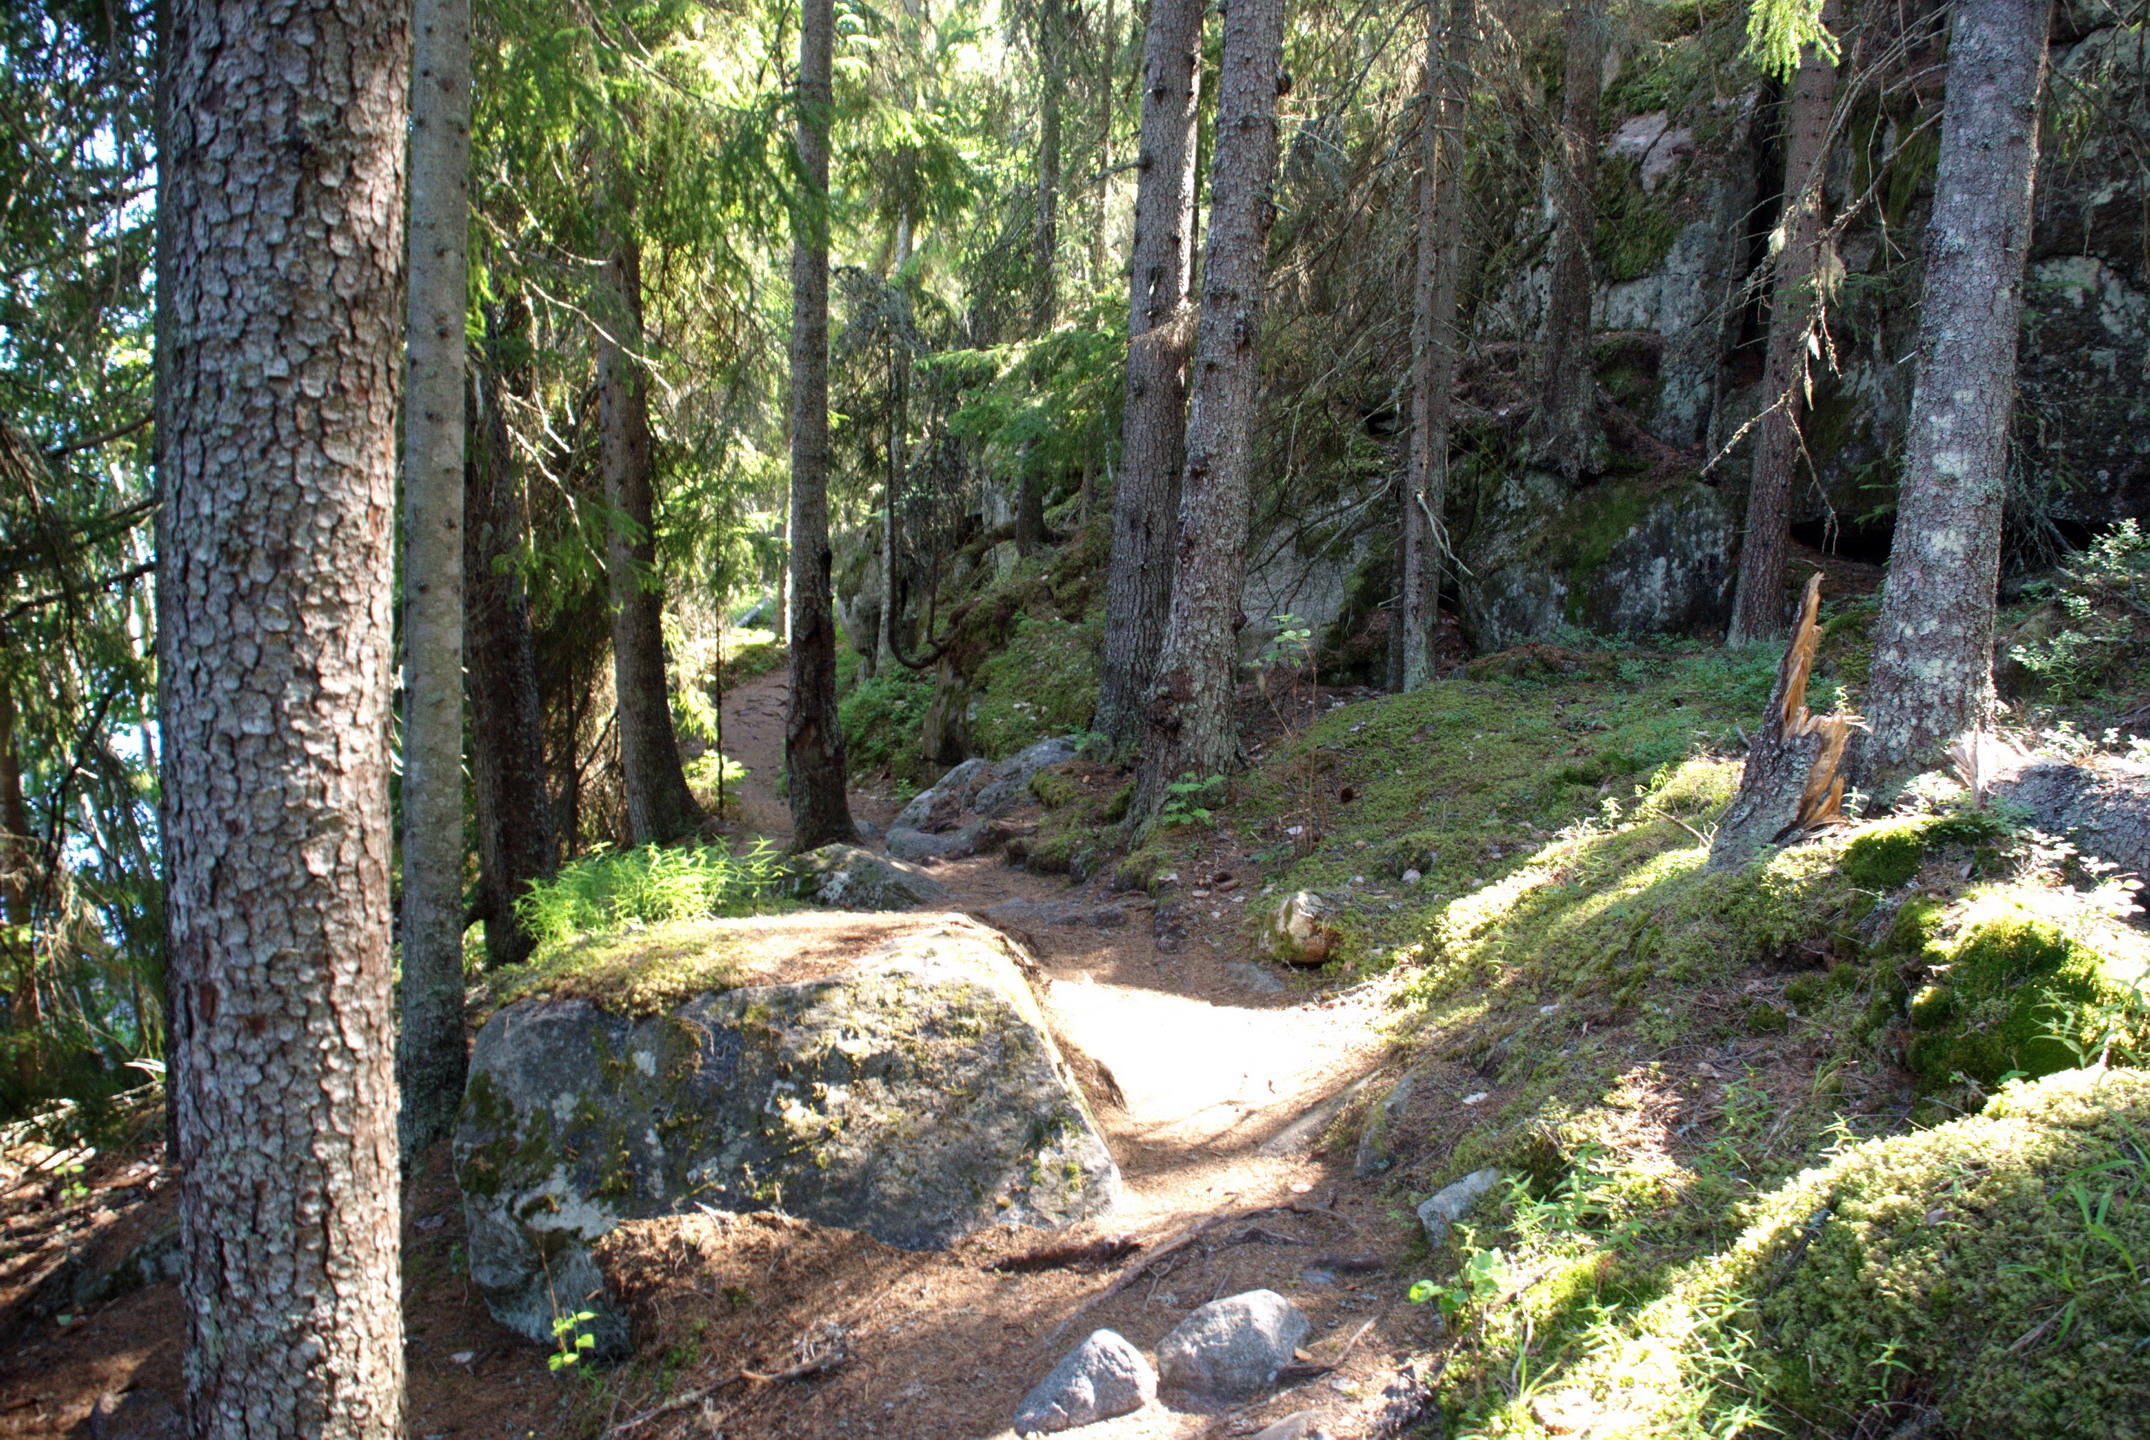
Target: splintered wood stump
[(1794, 780)]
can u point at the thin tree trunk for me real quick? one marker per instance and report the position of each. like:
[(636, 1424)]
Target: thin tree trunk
[(16, 889), (660, 807), (899, 365), (1108, 54), (1758, 607), (432, 1059), (1434, 342), (1189, 724), (278, 350), (813, 738), (1153, 427), (1044, 254), (1932, 677), (1564, 432), (516, 843)]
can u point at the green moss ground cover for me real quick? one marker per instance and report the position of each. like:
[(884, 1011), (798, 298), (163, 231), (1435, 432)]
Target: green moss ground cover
[(1664, 1057)]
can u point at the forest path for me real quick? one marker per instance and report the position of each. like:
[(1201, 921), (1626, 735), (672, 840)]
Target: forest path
[(1228, 1075)]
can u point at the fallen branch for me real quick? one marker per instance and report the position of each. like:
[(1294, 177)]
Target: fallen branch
[(819, 1365), (673, 1406), (1107, 1250), (1133, 1274), (1292, 1375)]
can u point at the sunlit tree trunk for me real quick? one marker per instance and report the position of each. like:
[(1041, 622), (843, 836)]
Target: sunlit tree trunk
[(813, 738), (1932, 677), (279, 336), (516, 843), (1189, 724), (1434, 341), (660, 807), (1153, 427), (1564, 430), (432, 1057), (1759, 606)]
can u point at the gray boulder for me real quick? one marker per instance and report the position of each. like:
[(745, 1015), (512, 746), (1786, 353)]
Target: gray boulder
[(1303, 929), (1231, 1349), (1453, 1203), (924, 847), (1100, 1378), (915, 1095), (941, 807), (1010, 782), (850, 877)]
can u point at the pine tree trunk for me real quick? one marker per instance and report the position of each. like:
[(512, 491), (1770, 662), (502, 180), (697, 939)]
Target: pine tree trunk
[(507, 753), (1153, 427), (432, 1057), (660, 807), (279, 337), (1564, 434), (1108, 54), (1434, 341), (1932, 677), (1758, 608), (1189, 723), (813, 738)]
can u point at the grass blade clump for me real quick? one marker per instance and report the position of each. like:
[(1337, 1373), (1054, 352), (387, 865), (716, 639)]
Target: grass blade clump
[(649, 885)]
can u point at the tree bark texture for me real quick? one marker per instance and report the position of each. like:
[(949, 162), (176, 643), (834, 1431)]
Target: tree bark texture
[(1434, 341), (1153, 427), (280, 254), (813, 738), (1793, 781), (432, 1058), (1758, 606), (1932, 677), (1189, 723), (660, 807), (1564, 434), (516, 843)]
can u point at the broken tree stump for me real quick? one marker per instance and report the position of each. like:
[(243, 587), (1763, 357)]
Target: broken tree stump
[(1794, 781)]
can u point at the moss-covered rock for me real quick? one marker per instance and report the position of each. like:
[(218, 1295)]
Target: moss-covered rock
[(2010, 987), (915, 1095), (1989, 1264)]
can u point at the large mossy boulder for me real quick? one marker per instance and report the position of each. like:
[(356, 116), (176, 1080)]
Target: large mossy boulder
[(909, 1090), (1990, 1267)]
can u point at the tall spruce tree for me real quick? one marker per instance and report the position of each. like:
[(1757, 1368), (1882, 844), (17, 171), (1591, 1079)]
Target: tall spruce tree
[(1434, 343), (660, 807), (1189, 727), (1564, 435), (279, 337), (1932, 677), (1153, 427), (1759, 603), (813, 737), (432, 1057)]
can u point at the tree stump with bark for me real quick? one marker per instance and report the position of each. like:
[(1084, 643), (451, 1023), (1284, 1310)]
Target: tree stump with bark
[(1794, 781)]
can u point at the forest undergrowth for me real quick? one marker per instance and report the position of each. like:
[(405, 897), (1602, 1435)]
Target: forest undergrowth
[(1777, 1153)]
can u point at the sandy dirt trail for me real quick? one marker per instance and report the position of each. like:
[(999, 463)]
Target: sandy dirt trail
[(1226, 1081)]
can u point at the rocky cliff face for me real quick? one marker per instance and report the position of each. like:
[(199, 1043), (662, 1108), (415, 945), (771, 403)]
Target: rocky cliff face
[(1689, 198)]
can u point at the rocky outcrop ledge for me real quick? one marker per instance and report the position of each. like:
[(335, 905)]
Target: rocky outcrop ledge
[(913, 1093)]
